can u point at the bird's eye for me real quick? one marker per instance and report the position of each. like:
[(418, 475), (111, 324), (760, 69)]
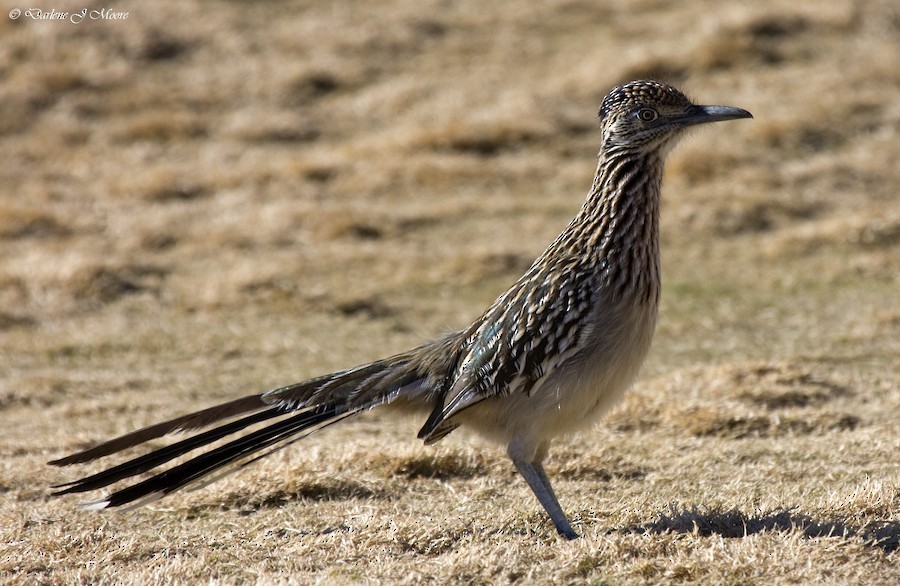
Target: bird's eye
[(647, 114)]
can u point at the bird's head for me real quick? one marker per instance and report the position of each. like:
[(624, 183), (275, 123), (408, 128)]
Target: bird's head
[(650, 115)]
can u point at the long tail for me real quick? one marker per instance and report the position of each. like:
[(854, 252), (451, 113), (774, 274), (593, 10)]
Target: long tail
[(300, 409)]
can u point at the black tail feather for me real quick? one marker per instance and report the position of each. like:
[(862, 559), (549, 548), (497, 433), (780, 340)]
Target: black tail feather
[(301, 409), (202, 465), (188, 422), (161, 456)]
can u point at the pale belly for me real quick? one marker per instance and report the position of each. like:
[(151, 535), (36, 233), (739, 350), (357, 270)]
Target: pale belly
[(580, 391)]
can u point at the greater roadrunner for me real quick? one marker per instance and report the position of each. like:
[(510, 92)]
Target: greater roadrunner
[(547, 358)]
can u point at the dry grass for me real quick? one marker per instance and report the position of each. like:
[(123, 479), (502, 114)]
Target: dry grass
[(208, 199)]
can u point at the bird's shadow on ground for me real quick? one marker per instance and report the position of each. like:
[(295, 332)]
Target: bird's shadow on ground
[(884, 535)]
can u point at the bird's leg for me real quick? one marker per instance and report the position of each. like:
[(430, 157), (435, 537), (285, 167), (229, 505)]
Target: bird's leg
[(532, 471)]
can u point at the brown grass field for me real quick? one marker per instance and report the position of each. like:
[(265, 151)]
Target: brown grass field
[(208, 199)]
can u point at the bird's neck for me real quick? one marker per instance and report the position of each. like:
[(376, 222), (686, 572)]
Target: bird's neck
[(618, 225)]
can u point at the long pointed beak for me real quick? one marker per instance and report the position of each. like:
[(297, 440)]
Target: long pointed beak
[(704, 114)]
